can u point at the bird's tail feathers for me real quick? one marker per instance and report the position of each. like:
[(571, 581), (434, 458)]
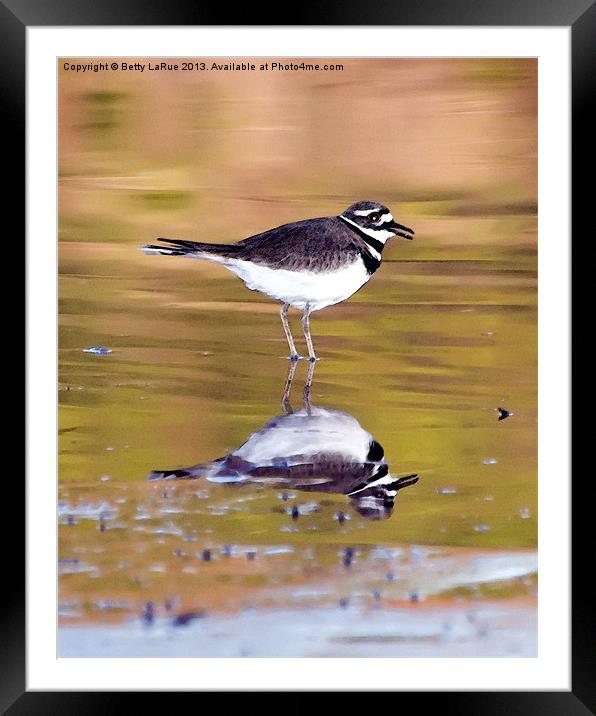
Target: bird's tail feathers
[(186, 473), (197, 249)]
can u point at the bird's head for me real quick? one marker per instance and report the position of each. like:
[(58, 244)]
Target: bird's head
[(375, 500), (376, 221)]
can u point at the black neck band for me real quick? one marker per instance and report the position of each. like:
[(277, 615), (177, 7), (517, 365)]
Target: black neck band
[(373, 243)]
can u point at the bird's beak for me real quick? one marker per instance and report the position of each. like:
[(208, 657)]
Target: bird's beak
[(401, 482), (400, 230)]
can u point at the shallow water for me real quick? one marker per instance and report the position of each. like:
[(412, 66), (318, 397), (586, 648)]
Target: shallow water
[(419, 360), (483, 630), (424, 377)]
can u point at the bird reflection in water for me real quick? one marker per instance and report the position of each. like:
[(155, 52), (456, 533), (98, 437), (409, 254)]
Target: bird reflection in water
[(313, 449)]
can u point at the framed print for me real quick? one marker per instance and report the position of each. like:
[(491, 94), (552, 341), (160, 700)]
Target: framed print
[(335, 443)]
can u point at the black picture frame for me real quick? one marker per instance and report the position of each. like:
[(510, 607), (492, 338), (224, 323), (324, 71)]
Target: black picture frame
[(580, 16)]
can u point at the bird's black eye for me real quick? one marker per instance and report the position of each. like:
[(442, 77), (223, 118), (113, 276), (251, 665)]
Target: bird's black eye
[(374, 217)]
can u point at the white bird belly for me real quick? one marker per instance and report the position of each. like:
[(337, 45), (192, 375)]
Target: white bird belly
[(299, 288), (307, 434)]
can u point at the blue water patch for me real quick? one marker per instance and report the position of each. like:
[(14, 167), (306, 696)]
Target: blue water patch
[(98, 350)]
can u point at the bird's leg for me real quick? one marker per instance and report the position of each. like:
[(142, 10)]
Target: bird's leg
[(285, 401), (306, 328), (284, 321), (308, 385)]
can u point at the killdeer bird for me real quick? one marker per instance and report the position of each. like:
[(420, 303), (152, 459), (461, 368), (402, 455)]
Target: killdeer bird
[(307, 265), (314, 449)]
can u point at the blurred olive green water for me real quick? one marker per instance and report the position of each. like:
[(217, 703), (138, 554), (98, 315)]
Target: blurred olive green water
[(443, 334)]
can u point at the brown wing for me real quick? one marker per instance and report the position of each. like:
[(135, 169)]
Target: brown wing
[(310, 245), (325, 473)]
